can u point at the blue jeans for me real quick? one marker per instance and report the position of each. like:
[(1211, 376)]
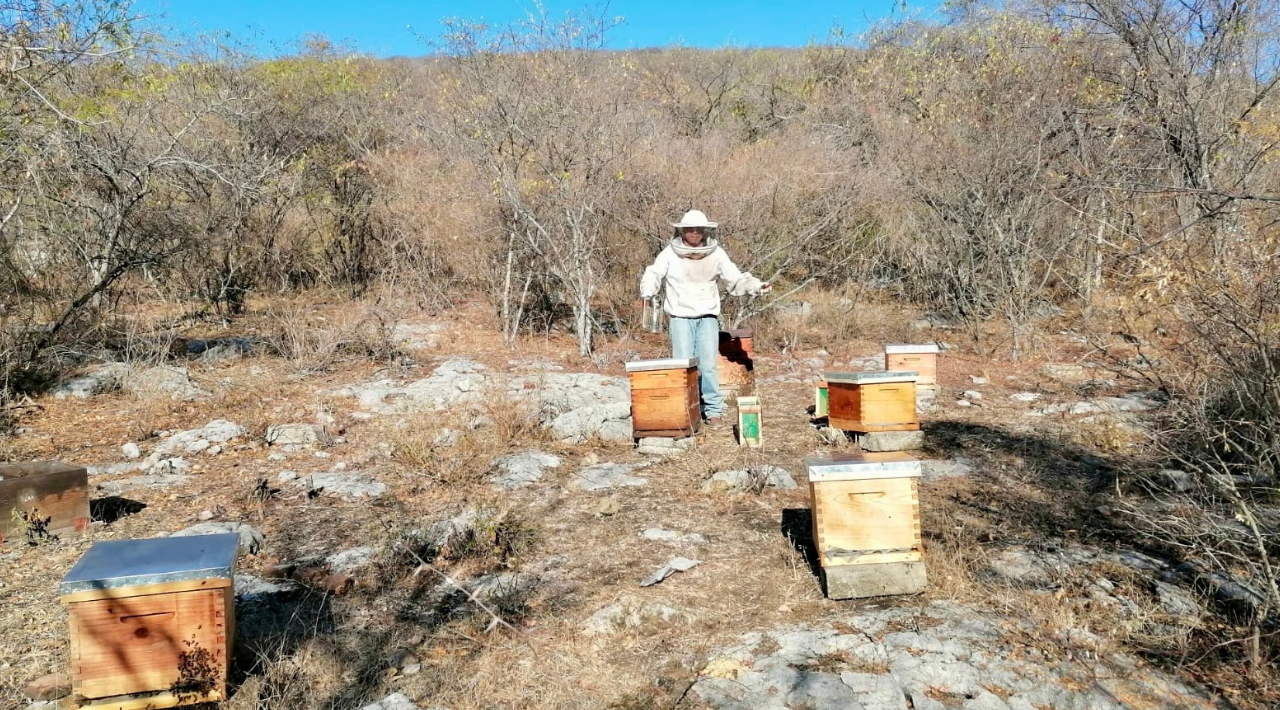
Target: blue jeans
[(700, 338)]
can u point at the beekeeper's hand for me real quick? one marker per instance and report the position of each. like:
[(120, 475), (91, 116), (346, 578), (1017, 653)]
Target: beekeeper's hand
[(764, 288)]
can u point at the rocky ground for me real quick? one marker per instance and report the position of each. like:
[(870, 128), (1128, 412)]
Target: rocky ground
[(456, 525)]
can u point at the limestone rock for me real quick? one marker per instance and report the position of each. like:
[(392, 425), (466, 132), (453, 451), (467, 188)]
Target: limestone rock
[(891, 440), (164, 381), (49, 687), (522, 469), (608, 476), (754, 478), (103, 378), (251, 540), (295, 436)]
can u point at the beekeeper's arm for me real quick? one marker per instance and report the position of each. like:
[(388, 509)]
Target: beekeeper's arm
[(735, 280), (651, 281)]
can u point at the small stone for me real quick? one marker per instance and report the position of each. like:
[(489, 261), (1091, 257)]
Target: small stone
[(411, 669), (276, 457), (673, 565), (607, 507), (131, 451), (205, 515), (213, 450), (197, 446), (660, 535), (607, 476), (978, 380), (1025, 396), (286, 476), (971, 395), (963, 403), (361, 416), (395, 701), (294, 435), (339, 466), (49, 687)]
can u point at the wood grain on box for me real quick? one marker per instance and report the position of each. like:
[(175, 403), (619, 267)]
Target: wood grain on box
[(54, 497)]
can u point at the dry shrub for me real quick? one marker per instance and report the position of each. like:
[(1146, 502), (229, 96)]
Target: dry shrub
[(316, 342)]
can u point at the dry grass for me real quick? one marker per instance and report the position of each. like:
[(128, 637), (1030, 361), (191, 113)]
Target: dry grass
[(752, 577)]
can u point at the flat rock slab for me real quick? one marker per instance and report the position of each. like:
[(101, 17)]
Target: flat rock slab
[(395, 701), (250, 587), (891, 440), (352, 485), (165, 382), (1037, 568), (1132, 403), (660, 535), (756, 477), (522, 469), (295, 436), (939, 656), (950, 468), (634, 615), (351, 561), (251, 540), (874, 580), (661, 446), (608, 476), (218, 431), (101, 379), (673, 565), (153, 482)]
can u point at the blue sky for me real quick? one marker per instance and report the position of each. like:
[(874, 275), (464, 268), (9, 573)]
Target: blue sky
[(382, 27)]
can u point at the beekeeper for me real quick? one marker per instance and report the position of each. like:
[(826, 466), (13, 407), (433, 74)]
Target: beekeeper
[(689, 267)]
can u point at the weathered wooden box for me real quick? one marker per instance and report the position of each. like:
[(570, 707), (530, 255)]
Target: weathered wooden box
[(42, 499), (734, 366), (750, 417), (921, 359), (152, 622), (664, 397), (872, 401), (866, 523)]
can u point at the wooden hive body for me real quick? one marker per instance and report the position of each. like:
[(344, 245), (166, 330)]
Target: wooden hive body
[(664, 397), (872, 401), (922, 359), (734, 366), (45, 498), (866, 522), (152, 622)]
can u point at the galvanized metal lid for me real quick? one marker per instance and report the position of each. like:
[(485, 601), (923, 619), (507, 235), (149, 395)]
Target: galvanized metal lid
[(870, 378), (671, 363), (908, 349), (129, 563), (860, 466)]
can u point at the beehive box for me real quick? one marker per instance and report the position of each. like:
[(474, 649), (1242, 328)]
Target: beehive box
[(872, 401), (44, 499), (750, 421), (152, 622), (664, 397), (921, 359), (866, 523), (734, 366)]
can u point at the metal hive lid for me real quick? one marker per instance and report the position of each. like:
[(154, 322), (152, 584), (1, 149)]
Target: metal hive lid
[(671, 363), (859, 466), (127, 563), (870, 378), (910, 349)]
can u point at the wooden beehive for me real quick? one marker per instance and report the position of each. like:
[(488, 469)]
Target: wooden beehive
[(820, 399), (921, 359), (152, 622), (734, 366), (750, 421), (664, 397), (42, 499), (866, 523), (872, 401)]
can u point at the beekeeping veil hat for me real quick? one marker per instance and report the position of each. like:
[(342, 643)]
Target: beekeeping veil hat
[(695, 218)]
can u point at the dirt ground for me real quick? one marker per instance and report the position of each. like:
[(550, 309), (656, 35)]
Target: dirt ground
[(1033, 480)]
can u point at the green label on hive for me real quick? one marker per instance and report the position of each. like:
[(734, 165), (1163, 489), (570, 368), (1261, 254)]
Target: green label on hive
[(751, 426)]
